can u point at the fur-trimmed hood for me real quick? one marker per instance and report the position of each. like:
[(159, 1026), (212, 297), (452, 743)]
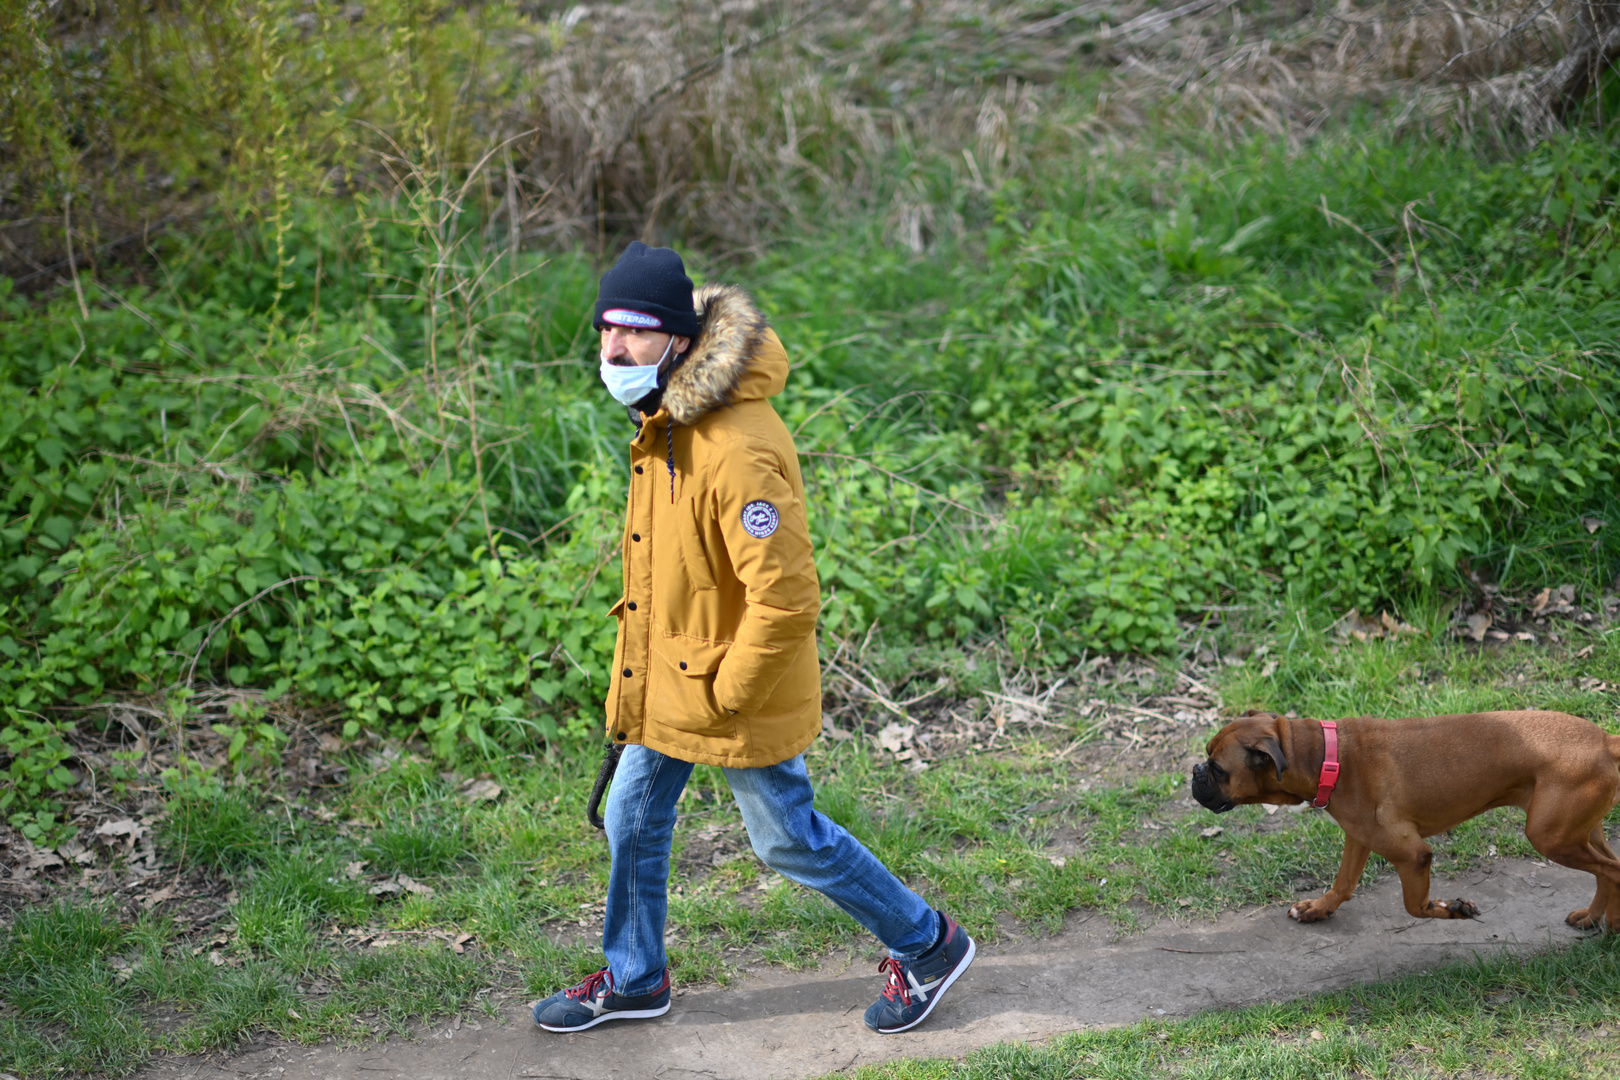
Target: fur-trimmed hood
[(735, 357)]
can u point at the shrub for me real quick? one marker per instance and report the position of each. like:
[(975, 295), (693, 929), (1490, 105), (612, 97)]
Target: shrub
[(1076, 433)]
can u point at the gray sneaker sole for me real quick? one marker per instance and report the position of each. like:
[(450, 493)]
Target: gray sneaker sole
[(616, 1014)]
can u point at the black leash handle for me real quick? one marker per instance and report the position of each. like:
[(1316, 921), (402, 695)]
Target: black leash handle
[(610, 765)]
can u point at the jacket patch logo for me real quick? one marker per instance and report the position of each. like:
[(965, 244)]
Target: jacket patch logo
[(759, 519)]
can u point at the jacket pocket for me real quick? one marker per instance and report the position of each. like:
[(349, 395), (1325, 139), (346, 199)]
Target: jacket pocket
[(698, 570), (681, 688)]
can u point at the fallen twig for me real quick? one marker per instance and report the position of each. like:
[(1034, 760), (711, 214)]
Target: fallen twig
[(877, 697)]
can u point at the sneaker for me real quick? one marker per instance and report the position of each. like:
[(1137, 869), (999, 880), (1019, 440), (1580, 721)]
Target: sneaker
[(915, 986), (593, 1001)]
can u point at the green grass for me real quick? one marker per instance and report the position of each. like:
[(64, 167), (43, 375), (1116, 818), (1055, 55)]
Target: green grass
[(216, 830), (1548, 1016), (70, 1011), (418, 848), (1316, 675), (974, 833)]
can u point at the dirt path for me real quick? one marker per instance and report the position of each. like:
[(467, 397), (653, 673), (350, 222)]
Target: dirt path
[(784, 1025)]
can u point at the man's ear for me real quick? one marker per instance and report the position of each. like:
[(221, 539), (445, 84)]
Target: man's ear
[(1270, 747)]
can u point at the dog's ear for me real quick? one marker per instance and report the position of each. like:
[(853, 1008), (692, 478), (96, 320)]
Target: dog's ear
[(1271, 748)]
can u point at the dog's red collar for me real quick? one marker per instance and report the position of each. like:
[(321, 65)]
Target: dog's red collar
[(1330, 765)]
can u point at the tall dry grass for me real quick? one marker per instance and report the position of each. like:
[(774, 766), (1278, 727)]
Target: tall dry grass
[(1447, 66), (716, 122)]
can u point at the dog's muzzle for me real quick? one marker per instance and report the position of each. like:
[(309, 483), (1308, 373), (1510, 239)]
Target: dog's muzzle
[(1207, 791)]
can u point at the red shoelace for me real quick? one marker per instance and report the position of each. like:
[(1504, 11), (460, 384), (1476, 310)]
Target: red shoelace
[(589, 987), (897, 988)]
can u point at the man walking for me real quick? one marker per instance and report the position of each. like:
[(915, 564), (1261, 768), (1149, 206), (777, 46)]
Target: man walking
[(716, 658)]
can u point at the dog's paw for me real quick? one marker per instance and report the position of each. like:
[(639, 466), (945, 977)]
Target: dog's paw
[(1309, 911), (1458, 909), (1582, 919)]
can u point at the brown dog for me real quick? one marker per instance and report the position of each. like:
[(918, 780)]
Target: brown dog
[(1403, 780)]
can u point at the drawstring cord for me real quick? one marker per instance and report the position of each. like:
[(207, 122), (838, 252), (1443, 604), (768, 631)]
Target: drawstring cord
[(669, 459), (669, 453)]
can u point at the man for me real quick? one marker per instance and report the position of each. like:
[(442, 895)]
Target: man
[(716, 658)]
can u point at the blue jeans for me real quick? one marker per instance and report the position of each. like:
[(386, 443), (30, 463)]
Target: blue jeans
[(788, 834)]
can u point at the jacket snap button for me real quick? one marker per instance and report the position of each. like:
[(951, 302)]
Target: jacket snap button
[(683, 665), (636, 537), (638, 470), (621, 734), (631, 605), (627, 673)]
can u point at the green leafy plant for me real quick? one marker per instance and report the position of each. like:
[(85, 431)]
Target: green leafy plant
[(34, 775), (1188, 251), (1060, 433)]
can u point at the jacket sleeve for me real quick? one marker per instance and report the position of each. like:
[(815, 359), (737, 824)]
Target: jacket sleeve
[(768, 540)]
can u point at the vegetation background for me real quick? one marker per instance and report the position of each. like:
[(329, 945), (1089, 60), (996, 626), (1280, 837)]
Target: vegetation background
[(1116, 326)]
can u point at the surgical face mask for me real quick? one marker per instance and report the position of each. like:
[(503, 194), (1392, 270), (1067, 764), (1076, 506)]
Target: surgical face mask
[(629, 383)]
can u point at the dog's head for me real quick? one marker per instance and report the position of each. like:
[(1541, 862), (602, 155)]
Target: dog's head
[(1246, 762)]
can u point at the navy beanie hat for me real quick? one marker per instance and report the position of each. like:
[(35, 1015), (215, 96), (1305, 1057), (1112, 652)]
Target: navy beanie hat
[(648, 289)]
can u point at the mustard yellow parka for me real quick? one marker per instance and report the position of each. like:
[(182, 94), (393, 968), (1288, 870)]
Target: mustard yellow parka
[(716, 656)]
